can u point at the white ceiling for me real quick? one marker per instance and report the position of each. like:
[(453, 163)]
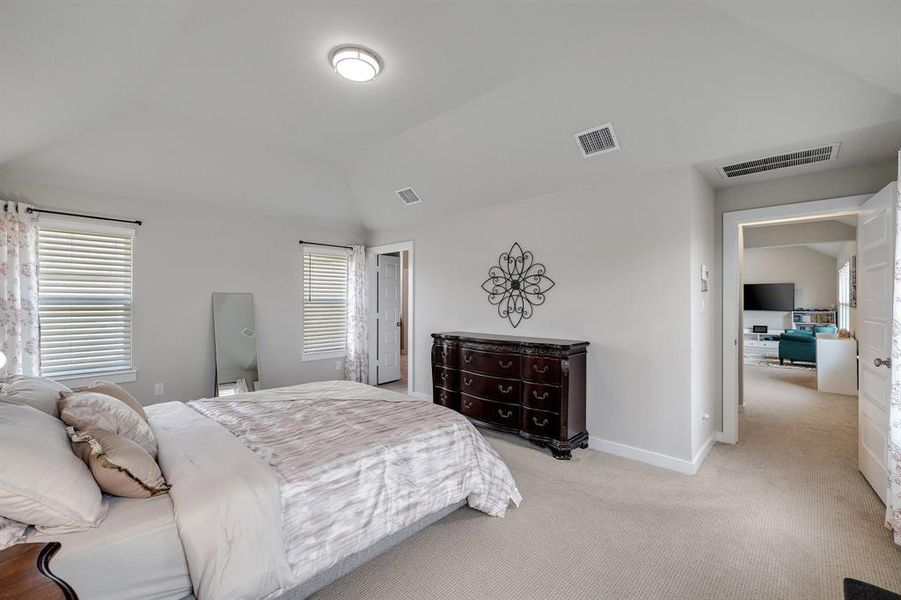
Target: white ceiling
[(234, 103)]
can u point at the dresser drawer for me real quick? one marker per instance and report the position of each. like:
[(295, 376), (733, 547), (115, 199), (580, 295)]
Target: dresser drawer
[(539, 422), (490, 363), (446, 378), (445, 355), (446, 398), (541, 369), (490, 412), (491, 388), (542, 397)]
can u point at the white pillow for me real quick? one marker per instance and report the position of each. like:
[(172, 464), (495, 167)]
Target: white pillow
[(93, 410), (11, 532), (42, 394), (42, 482)]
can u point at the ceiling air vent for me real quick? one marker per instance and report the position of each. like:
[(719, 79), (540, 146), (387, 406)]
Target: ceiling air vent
[(408, 196), (597, 140), (780, 161)]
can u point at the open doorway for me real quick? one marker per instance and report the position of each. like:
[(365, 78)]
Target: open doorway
[(391, 316), (852, 417)]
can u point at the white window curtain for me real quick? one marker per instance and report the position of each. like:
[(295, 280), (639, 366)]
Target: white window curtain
[(893, 498), (19, 329), (356, 364)]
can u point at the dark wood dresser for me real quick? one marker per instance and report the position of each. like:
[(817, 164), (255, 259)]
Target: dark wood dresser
[(533, 387)]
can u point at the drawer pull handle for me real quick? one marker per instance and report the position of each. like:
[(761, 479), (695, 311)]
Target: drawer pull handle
[(537, 370), (444, 395), (467, 381), (467, 404), (444, 354), (542, 424), (505, 365), (541, 397), (506, 416), (443, 375), (467, 359), (504, 390)]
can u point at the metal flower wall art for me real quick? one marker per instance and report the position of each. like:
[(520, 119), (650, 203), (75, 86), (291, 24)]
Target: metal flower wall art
[(517, 284)]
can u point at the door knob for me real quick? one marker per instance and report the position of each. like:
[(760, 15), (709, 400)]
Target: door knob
[(879, 362)]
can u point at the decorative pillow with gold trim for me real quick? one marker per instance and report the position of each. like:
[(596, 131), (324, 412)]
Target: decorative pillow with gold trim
[(116, 391), (119, 466), (91, 410)]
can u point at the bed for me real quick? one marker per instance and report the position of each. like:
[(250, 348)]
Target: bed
[(277, 493)]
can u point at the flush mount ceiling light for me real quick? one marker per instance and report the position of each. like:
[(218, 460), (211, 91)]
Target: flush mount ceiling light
[(355, 63)]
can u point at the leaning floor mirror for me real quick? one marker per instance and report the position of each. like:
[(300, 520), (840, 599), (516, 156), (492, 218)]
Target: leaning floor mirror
[(235, 343)]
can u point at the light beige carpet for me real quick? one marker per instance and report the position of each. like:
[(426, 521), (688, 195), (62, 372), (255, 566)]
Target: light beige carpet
[(784, 514)]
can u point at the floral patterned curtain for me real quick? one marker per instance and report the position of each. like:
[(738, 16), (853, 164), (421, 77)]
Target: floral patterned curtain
[(893, 497), (19, 332), (356, 365)]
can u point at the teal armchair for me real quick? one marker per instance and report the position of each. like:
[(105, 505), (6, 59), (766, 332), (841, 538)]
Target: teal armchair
[(801, 344)]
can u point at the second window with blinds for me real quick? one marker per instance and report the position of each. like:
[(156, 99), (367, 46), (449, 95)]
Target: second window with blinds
[(85, 301), (324, 303)]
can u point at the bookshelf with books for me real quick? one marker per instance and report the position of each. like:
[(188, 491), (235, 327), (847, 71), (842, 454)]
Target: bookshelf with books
[(809, 318)]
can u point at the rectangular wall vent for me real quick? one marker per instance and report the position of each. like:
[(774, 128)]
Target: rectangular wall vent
[(597, 140), (408, 196), (780, 161)]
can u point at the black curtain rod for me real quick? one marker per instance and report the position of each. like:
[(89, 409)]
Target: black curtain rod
[(329, 245), (68, 214)]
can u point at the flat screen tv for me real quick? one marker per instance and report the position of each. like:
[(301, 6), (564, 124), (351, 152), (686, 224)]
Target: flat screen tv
[(770, 296)]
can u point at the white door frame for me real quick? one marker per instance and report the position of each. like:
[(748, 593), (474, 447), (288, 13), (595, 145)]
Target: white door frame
[(371, 253), (733, 340)]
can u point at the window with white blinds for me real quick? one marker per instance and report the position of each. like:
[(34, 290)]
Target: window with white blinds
[(324, 302), (844, 296), (85, 288)]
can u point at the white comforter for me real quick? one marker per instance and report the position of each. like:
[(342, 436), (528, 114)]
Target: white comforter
[(332, 468)]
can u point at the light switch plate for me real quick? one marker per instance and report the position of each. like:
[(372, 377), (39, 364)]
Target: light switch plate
[(159, 389)]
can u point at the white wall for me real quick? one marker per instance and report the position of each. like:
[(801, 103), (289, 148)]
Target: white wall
[(183, 253), (706, 396), (813, 273), (620, 255), (792, 234)]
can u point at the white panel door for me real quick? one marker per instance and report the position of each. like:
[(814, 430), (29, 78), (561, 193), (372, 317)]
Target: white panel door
[(388, 322), (875, 280)]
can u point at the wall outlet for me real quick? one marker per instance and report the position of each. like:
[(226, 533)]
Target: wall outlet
[(159, 389), (338, 365)]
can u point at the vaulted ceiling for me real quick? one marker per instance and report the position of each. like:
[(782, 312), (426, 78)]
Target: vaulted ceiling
[(235, 103)]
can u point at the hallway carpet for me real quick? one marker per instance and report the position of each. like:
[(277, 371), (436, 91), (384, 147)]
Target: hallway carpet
[(783, 514)]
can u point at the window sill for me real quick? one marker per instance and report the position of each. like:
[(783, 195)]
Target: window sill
[(115, 377), (323, 355)]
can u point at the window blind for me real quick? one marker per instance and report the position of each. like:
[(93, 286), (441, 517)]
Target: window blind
[(324, 302), (844, 296), (85, 292)]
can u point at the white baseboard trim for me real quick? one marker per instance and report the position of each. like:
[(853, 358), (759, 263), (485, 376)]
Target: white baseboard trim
[(703, 452), (680, 465), (421, 396), (724, 438)]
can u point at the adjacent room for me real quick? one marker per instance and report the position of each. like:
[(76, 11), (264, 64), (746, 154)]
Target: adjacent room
[(450, 299), (800, 299)]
